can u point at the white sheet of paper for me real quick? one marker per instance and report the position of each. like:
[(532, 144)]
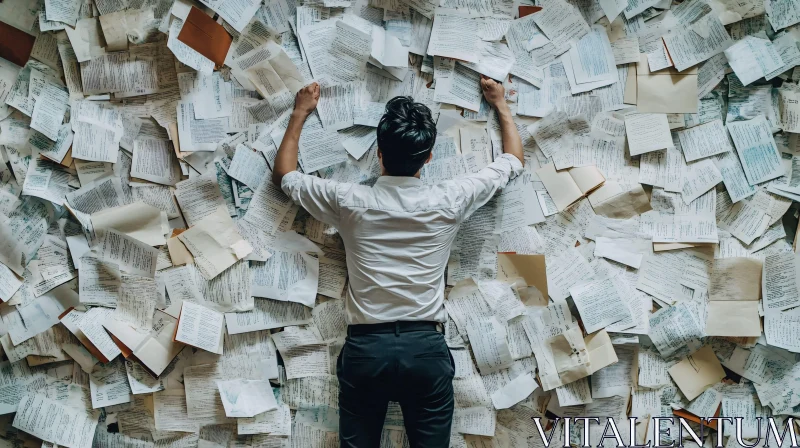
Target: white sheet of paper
[(200, 327), (757, 151), (55, 422), (454, 35), (246, 398), (647, 133)]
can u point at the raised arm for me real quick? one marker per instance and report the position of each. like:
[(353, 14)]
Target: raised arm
[(495, 95), (286, 160)]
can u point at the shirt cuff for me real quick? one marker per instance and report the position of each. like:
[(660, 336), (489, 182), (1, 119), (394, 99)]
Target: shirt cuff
[(289, 182), (516, 165)]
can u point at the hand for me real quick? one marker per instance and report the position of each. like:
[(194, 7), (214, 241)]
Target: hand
[(493, 91), (306, 100)]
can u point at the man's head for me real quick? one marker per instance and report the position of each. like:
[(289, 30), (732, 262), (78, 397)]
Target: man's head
[(406, 134)]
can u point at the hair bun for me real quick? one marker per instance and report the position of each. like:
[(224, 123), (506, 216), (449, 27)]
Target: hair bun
[(404, 107), (417, 116), (406, 134)]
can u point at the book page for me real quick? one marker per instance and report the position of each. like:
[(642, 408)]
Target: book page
[(55, 422), (200, 327)]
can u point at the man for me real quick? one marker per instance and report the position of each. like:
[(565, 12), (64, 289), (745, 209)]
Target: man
[(397, 237)]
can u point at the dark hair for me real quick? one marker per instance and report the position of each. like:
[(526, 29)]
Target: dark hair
[(406, 134)]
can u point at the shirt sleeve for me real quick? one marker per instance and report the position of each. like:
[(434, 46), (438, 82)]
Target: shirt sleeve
[(320, 197), (480, 187)]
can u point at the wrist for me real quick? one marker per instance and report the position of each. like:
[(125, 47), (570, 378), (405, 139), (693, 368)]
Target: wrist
[(298, 113), (502, 107)]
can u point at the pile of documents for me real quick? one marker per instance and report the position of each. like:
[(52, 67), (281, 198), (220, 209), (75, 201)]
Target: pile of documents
[(159, 291)]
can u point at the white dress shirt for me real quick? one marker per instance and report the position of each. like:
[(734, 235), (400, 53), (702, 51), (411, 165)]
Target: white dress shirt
[(397, 235)]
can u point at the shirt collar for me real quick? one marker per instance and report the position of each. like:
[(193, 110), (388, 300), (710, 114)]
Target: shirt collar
[(399, 181)]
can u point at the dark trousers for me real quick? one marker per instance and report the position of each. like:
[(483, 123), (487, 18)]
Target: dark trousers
[(406, 362)]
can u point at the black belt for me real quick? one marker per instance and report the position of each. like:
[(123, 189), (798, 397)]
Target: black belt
[(392, 327)]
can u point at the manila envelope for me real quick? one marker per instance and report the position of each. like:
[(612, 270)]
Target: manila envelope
[(525, 10), (16, 45), (697, 372), (666, 91), (529, 267), (204, 35)]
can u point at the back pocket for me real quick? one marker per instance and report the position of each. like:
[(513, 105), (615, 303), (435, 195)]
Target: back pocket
[(358, 350), (434, 347)]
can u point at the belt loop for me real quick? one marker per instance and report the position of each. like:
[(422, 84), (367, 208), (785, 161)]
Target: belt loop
[(349, 333), (397, 328)]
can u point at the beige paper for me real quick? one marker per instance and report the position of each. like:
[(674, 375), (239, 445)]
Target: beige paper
[(601, 351), (278, 64), (697, 372), (660, 247), (666, 91), (570, 355), (137, 220), (561, 186), (215, 243), (733, 318), (115, 28), (735, 279), (587, 178), (629, 97), (178, 252), (619, 201), (529, 267), (86, 39)]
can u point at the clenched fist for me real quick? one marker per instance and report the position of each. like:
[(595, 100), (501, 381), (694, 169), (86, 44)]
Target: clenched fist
[(493, 91), (306, 100)]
